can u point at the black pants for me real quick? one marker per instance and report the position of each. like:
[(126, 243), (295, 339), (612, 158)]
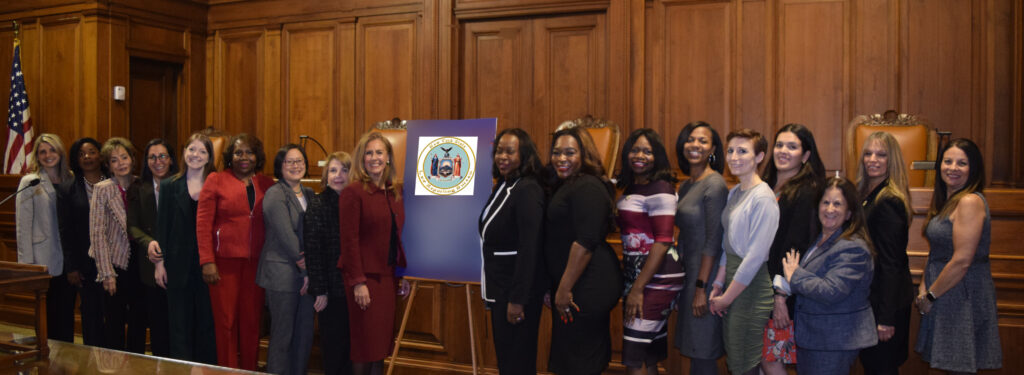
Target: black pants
[(91, 308), (190, 319), (60, 310), (125, 313), (156, 320), (334, 336), (515, 344), (888, 356)]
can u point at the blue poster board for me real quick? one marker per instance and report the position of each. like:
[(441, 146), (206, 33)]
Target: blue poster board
[(447, 182)]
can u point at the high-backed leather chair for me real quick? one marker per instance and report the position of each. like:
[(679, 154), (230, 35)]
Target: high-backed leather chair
[(395, 132), (917, 142), (606, 138)]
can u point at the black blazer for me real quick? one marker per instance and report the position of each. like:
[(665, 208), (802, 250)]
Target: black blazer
[(176, 234), (323, 245), (797, 218), (892, 289), (141, 219), (73, 220), (510, 228)]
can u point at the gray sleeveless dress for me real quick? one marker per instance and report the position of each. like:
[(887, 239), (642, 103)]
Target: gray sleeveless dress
[(961, 331)]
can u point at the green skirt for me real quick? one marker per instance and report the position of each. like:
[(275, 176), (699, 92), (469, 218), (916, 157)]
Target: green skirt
[(743, 325)]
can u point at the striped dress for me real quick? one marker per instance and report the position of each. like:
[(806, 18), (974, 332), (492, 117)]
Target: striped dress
[(646, 215)]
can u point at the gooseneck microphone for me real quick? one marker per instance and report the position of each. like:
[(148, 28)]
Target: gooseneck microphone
[(30, 184)]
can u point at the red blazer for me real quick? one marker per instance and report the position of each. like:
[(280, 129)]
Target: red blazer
[(365, 225), (225, 226)]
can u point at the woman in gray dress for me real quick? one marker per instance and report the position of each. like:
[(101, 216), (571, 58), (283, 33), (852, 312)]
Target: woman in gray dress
[(742, 291), (702, 198), (959, 331)]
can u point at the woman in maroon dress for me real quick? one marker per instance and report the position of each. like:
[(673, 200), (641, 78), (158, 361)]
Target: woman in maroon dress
[(371, 216)]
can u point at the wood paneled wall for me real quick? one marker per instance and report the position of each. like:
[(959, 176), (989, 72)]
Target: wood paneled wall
[(329, 69), (74, 53)]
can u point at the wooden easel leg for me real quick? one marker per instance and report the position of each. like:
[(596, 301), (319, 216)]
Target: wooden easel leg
[(401, 328), (472, 335)]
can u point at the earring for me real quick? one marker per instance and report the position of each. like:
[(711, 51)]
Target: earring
[(711, 158)]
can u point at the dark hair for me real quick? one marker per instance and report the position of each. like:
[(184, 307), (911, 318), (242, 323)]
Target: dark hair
[(662, 169), (590, 160), (812, 172), (941, 206), (279, 159), (718, 155), (147, 175), (254, 143), (529, 159), (76, 148), (856, 225)]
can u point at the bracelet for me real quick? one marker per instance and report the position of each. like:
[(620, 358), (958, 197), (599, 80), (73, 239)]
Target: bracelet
[(931, 296)]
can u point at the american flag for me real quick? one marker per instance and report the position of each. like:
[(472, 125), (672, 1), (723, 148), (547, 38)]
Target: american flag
[(19, 122)]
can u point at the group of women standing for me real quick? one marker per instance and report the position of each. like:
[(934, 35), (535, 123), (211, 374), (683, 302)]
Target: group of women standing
[(786, 262), (182, 253)]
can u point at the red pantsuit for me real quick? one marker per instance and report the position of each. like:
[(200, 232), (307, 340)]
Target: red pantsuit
[(230, 234)]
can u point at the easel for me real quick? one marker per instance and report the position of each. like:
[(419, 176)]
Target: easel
[(408, 308)]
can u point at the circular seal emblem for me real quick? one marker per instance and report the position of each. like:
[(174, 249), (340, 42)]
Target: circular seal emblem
[(446, 165)]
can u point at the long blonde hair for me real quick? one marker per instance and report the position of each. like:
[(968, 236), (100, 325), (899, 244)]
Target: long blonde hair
[(62, 165), (898, 185), (358, 172)]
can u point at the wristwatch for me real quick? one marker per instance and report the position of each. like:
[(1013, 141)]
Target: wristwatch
[(700, 283), (931, 296)]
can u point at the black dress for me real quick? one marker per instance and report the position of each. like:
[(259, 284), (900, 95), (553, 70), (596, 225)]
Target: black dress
[(73, 219), (892, 290), (580, 211), (510, 227)]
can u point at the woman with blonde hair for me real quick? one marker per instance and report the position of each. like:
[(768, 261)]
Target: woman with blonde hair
[(372, 213), (883, 189), (38, 238), (323, 248)]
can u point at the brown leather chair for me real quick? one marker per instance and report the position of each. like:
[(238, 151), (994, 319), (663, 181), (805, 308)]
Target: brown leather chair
[(395, 132), (917, 142), (606, 138)]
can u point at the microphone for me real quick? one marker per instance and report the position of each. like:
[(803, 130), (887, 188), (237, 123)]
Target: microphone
[(30, 184)]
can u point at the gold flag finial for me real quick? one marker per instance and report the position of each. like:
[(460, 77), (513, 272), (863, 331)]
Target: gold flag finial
[(17, 29)]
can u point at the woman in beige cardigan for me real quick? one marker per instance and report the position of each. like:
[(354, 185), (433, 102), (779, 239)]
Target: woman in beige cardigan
[(111, 249)]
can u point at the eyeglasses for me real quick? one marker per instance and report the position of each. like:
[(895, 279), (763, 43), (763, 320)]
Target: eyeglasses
[(294, 162), (159, 157)]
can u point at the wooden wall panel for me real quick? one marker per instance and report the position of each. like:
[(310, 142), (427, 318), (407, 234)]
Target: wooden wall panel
[(998, 79), (812, 72), (60, 47), (497, 73), (695, 45), (311, 86), (874, 57), (570, 62), (237, 88), (348, 132), (386, 58), (939, 63), (755, 96)]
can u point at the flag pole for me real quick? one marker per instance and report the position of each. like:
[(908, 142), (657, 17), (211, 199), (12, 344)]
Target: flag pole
[(17, 30)]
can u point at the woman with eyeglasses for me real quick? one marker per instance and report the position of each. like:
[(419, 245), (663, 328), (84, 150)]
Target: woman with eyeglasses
[(142, 216), (229, 230), (282, 268)]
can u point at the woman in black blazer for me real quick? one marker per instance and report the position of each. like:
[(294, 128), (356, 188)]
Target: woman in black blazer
[(72, 211), (141, 219), (321, 237), (510, 230), (189, 315), (883, 187)]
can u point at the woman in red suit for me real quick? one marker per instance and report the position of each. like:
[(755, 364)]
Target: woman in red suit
[(229, 230), (371, 217)]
